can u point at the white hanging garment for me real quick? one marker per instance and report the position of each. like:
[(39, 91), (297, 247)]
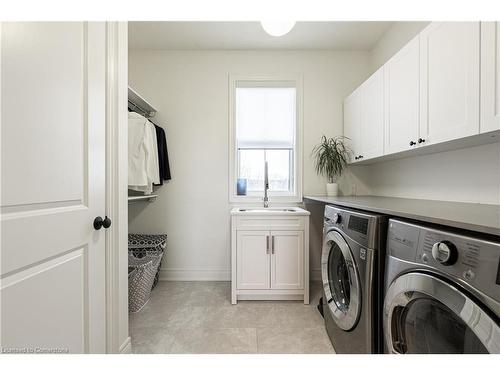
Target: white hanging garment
[(143, 168), (153, 161)]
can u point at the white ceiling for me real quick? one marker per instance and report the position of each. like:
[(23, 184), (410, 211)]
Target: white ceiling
[(250, 35)]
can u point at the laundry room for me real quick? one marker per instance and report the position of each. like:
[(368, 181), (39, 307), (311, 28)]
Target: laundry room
[(251, 187), (356, 92)]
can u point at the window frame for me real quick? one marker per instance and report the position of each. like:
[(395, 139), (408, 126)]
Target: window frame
[(266, 80)]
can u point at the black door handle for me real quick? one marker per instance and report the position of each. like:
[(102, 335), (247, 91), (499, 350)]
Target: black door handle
[(99, 222), (106, 223), (421, 140), (412, 143)]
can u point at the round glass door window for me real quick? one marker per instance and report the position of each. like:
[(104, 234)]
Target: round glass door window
[(338, 277), (340, 281), (426, 326)]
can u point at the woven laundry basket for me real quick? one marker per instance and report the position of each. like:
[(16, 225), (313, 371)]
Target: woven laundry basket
[(145, 256)]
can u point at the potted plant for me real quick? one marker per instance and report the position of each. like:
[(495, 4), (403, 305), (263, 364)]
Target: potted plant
[(331, 157)]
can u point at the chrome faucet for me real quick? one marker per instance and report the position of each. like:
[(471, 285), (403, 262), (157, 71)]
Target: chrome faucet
[(266, 186)]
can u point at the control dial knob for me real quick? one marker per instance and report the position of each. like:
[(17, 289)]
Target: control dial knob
[(445, 252), (336, 218)]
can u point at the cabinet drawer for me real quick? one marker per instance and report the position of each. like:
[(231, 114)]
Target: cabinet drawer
[(270, 223)]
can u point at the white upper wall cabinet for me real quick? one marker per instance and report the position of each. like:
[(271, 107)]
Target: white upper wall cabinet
[(449, 81), (372, 116), (442, 89), (401, 93), (490, 76), (364, 118), (352, 121)]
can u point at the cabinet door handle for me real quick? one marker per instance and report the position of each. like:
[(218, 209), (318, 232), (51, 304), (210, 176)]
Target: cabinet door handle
[(267, 244), (272, 244)]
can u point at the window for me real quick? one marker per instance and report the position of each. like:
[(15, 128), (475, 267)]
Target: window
[(265, 128)]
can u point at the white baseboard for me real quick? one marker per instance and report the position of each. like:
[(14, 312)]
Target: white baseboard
[(185, 274), (126, 347), (182, 274)]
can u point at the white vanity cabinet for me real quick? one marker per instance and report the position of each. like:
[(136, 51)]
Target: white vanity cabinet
[(270, 254)]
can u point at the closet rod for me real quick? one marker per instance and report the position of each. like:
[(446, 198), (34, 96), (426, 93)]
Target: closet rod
[(134, 107), (137, 103)]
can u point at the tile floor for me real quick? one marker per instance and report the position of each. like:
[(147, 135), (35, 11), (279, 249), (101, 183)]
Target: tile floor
[(197, 317)]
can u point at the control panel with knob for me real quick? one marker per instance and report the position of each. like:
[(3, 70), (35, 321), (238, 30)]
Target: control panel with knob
[(445, 252)]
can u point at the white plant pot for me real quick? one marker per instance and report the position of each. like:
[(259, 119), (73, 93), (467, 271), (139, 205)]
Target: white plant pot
[(332, 190)]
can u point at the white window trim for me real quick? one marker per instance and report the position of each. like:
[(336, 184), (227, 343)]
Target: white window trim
[(298, 162)]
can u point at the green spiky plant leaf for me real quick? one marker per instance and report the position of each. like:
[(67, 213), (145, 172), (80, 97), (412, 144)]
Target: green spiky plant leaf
[(331, 157)]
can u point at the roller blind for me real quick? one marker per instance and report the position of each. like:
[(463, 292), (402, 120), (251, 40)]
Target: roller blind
[(265, 117)]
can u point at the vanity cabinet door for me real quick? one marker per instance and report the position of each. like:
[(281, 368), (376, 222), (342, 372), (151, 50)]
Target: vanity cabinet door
[(252, 259), (287, 259)]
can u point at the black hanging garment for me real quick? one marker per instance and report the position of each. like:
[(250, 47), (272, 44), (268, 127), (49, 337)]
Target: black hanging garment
[(162, 154)]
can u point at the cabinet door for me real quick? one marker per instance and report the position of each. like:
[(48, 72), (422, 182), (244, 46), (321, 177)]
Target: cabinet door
[(252, 259), (401, 86), (372, 116), (287, 260), (449, 81), (352, 122), (490, 76)]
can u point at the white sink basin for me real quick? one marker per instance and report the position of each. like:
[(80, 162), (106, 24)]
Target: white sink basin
[(269, 211)]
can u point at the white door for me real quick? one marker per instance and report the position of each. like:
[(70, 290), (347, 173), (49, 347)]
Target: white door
[(252, 259), (449, 81), (401, 86), (372, 116), (490, 76), (52, 281), (287, 259), (352, 123)]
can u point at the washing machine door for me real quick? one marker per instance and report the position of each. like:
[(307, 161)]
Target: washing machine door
[(340, 281), (423, 314)]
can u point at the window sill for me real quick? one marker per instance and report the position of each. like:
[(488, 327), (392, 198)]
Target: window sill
[(260, 199)]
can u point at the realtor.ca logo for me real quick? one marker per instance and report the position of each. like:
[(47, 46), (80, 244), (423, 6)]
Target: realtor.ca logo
[(35, 350)]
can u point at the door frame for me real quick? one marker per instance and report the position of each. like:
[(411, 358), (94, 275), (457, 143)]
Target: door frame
[(117, 332)]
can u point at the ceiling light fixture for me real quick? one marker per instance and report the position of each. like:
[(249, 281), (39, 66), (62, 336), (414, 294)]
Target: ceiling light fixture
[(277, 28)]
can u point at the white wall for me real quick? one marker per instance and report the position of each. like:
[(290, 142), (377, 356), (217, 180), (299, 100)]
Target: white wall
[(190, 89), (392, 41), (467, 175)]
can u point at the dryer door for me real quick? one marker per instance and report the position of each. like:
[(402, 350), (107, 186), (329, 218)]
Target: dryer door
[(340, 281), (423, 314)]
